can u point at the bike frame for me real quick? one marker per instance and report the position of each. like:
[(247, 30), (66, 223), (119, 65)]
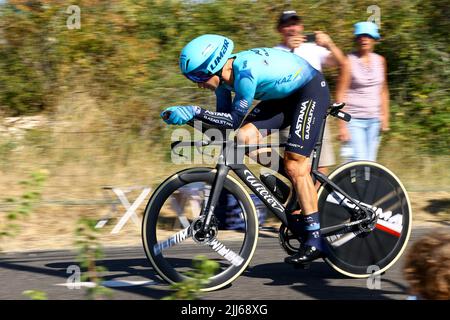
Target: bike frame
[(228, 161)]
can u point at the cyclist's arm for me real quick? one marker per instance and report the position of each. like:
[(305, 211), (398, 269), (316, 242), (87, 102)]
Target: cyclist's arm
[(245, 87), (221, 120), (223, 100)]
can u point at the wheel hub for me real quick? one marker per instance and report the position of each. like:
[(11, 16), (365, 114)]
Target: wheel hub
[(372, 221), (206, 236)]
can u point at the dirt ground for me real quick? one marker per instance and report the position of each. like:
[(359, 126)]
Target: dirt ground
[(53, 227)]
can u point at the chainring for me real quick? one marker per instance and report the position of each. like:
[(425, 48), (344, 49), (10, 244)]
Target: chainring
[(286, 239)]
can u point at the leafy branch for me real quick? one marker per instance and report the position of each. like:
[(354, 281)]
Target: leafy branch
[(25, 203), (89, 251), (35, 294), (190, 288)]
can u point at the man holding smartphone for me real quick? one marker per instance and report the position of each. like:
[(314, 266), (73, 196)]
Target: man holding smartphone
[(318, 48), (320, 52)]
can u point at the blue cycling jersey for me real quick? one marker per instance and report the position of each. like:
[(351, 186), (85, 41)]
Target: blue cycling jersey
[(262, 74)]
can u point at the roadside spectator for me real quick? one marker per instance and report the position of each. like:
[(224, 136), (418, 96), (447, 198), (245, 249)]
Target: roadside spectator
[(363, 87), (320, 54), (427, 267)]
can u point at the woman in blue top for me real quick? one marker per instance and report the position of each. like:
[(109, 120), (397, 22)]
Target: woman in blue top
[(292, 93)]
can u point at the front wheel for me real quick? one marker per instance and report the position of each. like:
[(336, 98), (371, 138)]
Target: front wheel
[(361, 251), (169, 234)]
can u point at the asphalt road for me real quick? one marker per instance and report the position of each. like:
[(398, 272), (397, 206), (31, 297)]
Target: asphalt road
[(131, 277)]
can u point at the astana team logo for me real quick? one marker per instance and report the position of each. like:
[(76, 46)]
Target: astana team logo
[(303, 126)]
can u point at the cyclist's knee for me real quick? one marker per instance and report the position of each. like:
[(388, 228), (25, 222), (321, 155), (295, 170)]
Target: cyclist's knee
[(248, 134), (296, 165)]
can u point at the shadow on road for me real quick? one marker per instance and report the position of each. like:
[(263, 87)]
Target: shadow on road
[(121, 269), (127, 268), (321, 282), (318, 282)]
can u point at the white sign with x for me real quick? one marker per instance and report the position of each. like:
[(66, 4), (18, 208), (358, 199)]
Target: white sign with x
[(130, 208)]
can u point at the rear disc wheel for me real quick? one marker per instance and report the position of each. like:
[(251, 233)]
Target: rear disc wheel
[(368, 249)]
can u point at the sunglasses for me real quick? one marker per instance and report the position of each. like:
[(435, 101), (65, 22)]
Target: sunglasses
[(198, 76)]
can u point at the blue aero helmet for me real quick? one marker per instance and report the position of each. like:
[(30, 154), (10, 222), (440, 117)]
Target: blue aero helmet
[(205, 56)]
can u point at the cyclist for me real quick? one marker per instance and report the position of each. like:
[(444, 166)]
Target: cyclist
[(292, 93)]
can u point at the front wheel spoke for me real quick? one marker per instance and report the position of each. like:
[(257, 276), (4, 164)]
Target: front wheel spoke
[(173, 240), (231, 256)]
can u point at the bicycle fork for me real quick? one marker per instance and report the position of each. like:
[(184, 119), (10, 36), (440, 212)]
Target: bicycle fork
[(216, 189)]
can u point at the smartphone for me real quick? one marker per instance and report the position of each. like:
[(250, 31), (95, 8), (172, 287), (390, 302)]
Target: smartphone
[(310, 37)]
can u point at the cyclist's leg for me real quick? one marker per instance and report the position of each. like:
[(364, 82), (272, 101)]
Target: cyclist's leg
[(297, 167), (264, 116), (313, 102), (249, 134), (261, 122)]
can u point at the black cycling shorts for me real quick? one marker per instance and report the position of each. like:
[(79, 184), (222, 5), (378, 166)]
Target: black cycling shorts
[(304, 111)]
